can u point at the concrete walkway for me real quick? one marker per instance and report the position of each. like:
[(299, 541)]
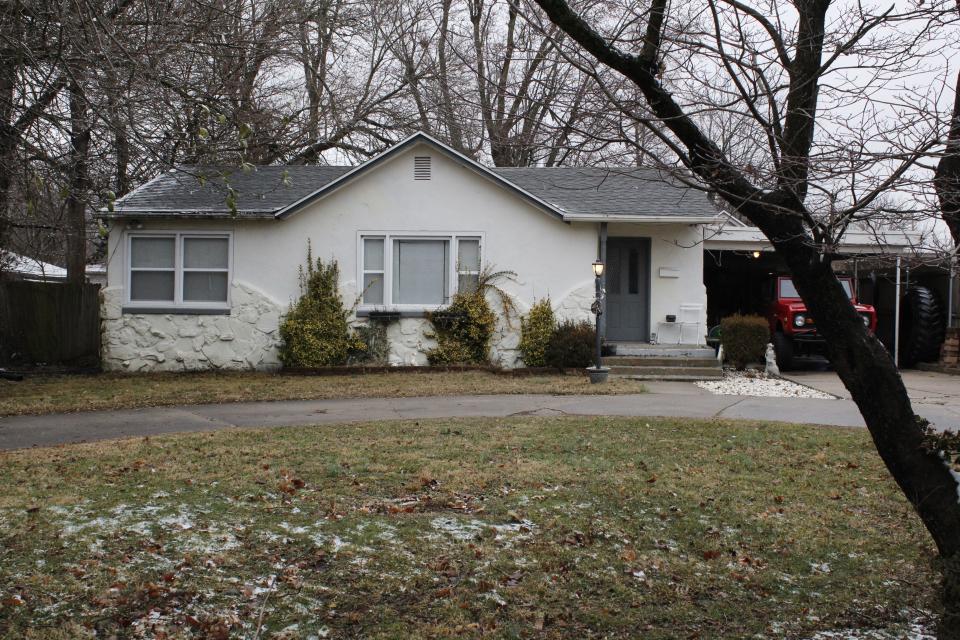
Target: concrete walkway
[(665, 399)]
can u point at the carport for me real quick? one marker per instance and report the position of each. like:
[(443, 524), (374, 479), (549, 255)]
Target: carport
[(739, 264)]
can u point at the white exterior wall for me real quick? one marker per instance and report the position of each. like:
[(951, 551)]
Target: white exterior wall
[(551, 258), (675, 247)]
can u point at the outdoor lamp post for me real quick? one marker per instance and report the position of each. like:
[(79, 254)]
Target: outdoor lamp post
[(598, 373)]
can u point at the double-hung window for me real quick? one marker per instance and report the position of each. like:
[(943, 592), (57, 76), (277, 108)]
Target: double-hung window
[(179, 270), (417, 272)]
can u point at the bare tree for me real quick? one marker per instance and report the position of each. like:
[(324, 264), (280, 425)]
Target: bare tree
[(773, 66), (947, 178)]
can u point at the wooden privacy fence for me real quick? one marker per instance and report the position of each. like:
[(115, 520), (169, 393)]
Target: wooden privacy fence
[(55, 324)]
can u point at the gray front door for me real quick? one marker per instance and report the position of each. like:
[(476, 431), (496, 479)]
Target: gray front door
[(628, 289)]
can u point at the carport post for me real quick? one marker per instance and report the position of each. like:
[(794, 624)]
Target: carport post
[(896, 320)]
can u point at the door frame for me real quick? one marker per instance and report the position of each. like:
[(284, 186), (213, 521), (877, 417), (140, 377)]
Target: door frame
[(647, 244)]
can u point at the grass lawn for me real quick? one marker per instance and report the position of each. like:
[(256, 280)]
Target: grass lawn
[(531, 527), (118, 391)]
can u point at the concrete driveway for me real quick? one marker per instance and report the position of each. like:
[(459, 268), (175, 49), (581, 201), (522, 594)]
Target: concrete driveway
[(935, 401), (924, 387), (935, 396)]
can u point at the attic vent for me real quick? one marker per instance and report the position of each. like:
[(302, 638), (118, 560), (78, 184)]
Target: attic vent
[(421, 167)]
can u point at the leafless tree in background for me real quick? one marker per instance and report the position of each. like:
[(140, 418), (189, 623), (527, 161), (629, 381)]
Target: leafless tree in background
[(98, 96)]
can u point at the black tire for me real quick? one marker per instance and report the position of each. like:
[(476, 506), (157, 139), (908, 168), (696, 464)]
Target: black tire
[(783, 349), (922, 326)]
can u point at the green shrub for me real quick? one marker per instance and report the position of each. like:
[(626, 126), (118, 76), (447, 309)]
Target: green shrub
[(572, 345), (535, 333), (463, 330), (315, 331), (744, 339)]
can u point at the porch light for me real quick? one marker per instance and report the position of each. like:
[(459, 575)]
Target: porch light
[(598, 372), (756, 254)]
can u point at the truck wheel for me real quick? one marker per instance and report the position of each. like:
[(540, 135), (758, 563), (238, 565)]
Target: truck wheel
[(922, 326), (783, 348)]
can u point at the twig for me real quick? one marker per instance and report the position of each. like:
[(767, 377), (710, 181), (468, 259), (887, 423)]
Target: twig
[(263, 607)]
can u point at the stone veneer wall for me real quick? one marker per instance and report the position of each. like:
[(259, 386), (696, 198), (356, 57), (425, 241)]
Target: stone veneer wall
[(249, 338), (409, 337)]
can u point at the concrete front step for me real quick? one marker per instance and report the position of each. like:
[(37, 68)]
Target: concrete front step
[(641, 361), (642, 349), (665, 373), (668, 378)]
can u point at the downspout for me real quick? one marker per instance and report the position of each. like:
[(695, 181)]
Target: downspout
[(603, 278), (896, 320)]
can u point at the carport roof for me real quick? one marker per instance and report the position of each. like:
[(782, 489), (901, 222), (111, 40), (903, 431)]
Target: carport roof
[(853, 242)]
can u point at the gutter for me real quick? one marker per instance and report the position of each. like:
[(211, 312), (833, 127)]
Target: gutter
[(626, 217)]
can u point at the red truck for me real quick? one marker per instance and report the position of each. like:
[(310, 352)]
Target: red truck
[(794, 330)]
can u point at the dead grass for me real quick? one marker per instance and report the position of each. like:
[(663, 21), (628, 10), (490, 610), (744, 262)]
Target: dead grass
[(52, 394), (528, 527)]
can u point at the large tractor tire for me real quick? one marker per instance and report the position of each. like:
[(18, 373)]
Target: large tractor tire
[(783, 349), (922, 326)]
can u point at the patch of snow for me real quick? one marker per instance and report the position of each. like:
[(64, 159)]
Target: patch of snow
[(741, 383), (464, 530), (467, 530), (100, 524), (914, 631), (820, 567), (181, 520), (297, 530), (336, 542)]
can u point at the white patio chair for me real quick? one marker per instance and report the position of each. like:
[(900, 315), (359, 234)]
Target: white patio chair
[(690, 315)]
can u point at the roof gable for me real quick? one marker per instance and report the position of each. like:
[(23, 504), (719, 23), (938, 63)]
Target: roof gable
[(400, 148)]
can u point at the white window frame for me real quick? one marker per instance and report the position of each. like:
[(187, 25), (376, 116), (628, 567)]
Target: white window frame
[(452, 237), (178, 303), (459, 271), (382, 272)]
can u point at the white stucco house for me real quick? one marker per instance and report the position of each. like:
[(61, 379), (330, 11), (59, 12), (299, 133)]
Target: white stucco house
[(192, 284)]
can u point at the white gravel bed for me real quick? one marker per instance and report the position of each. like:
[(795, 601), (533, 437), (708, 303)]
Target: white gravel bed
[(750, 383)]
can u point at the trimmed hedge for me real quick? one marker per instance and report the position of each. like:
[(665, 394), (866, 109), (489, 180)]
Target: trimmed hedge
[(535, 332), (572, 345), (744, 339)]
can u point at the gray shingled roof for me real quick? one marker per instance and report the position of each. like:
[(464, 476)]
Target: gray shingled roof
[(202, 191), (576, 191), (610, 191)]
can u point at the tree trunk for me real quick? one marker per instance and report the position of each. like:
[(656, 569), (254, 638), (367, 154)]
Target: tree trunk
[(8, 141), (861, 361), (79, 184), (446, 106), (947, 179)]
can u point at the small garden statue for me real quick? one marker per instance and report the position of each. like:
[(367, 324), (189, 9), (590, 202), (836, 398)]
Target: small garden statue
[(772, 369)]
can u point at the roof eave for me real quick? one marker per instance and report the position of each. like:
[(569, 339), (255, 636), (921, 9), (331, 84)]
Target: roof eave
[(640, 218), (255, 214)]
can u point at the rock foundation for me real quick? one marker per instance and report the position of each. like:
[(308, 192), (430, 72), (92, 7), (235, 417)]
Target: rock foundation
[(248, 338)]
